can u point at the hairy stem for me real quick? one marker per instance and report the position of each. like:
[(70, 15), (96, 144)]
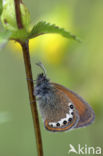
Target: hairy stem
[(27, 63)]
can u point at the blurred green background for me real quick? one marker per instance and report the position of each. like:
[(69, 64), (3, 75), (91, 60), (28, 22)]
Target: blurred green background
[(74, 65)]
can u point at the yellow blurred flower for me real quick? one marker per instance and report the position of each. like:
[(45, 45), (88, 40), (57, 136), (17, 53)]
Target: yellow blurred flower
[(53, 46)]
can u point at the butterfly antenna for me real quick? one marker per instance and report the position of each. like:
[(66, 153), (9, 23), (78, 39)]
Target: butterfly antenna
[(42, 67)]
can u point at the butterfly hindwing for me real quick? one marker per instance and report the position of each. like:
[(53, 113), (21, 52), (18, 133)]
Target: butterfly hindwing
[(85, 111), (63, 116), (69, 125)]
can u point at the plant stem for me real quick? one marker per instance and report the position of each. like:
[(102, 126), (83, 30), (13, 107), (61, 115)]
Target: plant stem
[(18, 13), (27, 62)]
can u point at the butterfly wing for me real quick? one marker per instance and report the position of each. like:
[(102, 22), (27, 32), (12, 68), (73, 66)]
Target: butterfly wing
[(61, 115), (86, 113), (69, 125)]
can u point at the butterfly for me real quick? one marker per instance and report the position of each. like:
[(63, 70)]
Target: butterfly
[(61, 108)]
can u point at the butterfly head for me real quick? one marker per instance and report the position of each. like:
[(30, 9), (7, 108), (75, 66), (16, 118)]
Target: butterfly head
[(43, 85), (42, 80)]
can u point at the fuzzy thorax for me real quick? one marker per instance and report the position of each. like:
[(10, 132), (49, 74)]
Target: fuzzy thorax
[(43, 86)]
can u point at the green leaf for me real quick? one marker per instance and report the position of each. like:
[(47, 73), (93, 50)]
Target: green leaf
[(44, 28), (0, 7), (4, 37)]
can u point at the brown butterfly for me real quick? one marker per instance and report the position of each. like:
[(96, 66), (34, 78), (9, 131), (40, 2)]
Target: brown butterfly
[(61, 108)]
